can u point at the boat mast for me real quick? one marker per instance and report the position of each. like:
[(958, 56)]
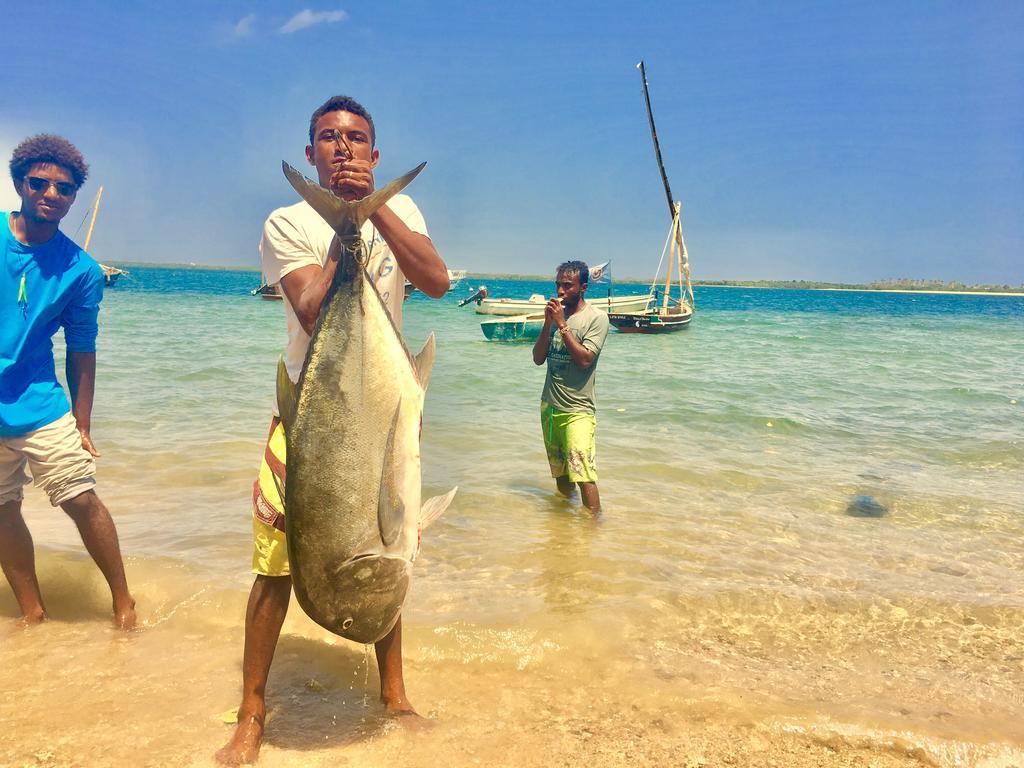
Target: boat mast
[(657, 146), (92, 223), (673, 208)]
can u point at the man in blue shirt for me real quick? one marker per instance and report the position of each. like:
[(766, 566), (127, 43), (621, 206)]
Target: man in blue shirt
[(48, 282)]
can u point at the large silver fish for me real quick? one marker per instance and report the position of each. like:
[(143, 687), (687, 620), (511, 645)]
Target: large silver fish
[(352, 429)]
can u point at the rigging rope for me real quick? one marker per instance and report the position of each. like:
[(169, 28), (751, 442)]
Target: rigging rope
[(81, 223), (657, 273)]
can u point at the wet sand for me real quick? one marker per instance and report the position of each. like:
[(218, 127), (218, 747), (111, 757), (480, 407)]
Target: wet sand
[(535, 694)]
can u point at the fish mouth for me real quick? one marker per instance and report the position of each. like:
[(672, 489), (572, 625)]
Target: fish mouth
[(360, 599)]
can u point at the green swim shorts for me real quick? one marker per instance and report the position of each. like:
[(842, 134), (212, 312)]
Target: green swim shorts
[(569, 442)]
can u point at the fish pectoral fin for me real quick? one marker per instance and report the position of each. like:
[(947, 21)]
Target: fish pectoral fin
[(285, 396), (424, 360), (434, 507), (390, 507)]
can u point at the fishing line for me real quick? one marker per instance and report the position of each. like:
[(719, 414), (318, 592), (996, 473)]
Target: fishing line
[(366, 677)]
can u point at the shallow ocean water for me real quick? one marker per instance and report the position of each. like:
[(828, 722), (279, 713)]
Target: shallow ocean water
[(733, 604)]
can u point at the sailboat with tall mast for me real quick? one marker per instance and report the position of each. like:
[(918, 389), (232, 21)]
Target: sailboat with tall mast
[(110, 274), (673, 309)]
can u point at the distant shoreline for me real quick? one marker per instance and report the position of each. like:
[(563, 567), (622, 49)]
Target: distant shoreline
[(786, 285), (190, 265), (864, 289)]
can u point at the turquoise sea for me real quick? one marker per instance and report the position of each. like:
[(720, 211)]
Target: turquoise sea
[(812, 553)]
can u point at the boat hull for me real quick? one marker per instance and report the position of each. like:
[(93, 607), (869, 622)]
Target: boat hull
[(512, 329), (268, 292), (513, 307), (649, 322), (111, 275)]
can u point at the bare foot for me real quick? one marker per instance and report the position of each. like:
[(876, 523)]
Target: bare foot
[(410, 720), (31, 619), (400, 710), (125, 618), (244, 746)]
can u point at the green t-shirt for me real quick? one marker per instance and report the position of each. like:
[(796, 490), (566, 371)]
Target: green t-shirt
[(568, 387)]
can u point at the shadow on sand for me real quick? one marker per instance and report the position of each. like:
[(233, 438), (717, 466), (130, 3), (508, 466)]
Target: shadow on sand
[(321, 694)]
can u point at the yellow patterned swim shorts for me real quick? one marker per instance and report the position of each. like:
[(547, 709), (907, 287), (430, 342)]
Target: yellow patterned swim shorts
[(270, 547), (569, 442)]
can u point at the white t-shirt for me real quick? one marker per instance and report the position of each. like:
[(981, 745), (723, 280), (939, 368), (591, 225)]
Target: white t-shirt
[(296, 236)]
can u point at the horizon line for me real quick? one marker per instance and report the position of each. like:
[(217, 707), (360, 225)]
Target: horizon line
[(898, 285)]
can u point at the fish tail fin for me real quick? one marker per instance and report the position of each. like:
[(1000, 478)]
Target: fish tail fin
[(285, 396), (424, 361), (340, 213), (434, 507), (366, 207)]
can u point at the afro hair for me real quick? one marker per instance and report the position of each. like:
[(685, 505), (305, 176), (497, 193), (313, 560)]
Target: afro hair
[(47, 148)]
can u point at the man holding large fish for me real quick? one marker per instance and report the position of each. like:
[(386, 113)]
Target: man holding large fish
[(349, 403)]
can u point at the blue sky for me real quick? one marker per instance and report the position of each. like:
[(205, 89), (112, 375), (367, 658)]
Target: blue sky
[(807, 140)]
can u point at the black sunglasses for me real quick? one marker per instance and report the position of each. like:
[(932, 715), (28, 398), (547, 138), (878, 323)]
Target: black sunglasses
[(64, 188)]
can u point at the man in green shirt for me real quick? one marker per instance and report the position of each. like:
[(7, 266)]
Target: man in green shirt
[(570, 342)]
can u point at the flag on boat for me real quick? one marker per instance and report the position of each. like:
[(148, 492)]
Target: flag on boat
[(602, 273)]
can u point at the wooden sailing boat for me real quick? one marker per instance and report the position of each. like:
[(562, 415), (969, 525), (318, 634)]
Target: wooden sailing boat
[(667, 312), (110, 274)]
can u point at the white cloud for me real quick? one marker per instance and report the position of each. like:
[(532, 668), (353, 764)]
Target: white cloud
[(10, 137), (244, 27), (307, 18)]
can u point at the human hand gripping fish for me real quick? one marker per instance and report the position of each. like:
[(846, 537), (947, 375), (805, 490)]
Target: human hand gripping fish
[(353, 178)]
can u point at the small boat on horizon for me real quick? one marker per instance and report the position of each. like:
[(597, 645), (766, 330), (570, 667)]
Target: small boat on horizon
[(110, 274), (268, 292), (455, 276)]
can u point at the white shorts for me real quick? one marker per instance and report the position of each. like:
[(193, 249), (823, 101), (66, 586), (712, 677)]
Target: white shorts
[(54, 453)]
